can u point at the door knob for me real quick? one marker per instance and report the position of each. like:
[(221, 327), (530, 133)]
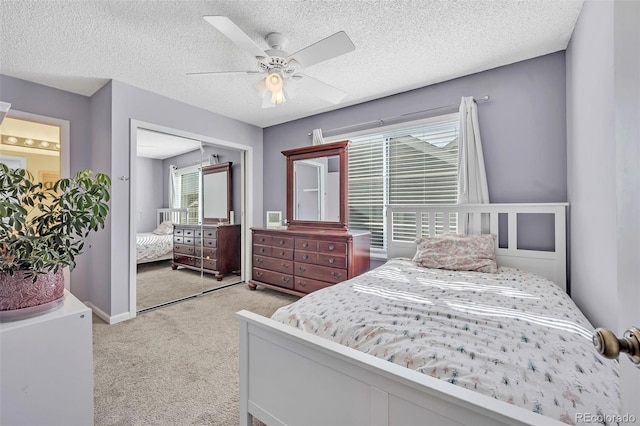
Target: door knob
[(609, 346)]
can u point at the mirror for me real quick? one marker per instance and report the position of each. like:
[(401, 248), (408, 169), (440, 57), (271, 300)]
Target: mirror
[(317, 186), (216, 193)]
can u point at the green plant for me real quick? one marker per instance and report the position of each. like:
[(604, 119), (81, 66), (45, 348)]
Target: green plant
[(43, 228)]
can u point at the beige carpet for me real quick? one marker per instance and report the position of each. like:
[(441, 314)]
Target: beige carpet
[(157, 283), (176, 365)]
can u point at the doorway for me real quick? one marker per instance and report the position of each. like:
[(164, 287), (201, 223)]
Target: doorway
[(156, 283)]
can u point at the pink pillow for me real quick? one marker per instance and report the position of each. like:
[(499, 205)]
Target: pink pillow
[(458, 252)]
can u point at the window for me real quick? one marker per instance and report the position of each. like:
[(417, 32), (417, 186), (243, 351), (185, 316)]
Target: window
[(188, 192), (412, 164)]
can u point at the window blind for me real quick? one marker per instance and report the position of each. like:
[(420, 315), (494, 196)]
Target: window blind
[(190, 195), (416, 164)]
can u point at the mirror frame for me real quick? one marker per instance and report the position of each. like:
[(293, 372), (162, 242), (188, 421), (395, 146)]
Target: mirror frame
[(317, 151), (217, 168)]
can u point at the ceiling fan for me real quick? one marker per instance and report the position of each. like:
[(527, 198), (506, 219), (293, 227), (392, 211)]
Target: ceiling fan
[(284, 79)]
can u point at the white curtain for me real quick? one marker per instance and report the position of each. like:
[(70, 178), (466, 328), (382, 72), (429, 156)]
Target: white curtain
[(472, 177), (317, 137), (174, 188)]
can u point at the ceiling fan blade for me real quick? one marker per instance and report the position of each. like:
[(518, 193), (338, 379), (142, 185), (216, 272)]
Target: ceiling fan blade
[(292, 86), (223, 72), (236, 35), (330, 47), (321, 89)]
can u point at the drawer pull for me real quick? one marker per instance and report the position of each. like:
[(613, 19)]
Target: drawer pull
[(305, 245), (282, 253), (285, 279), (262, 250), (285, 265), (301, 269), (331, 260), (302, 283), (258, 273), (336, 274), (305, 257), (281, 242), (258, 260), (332, 247)]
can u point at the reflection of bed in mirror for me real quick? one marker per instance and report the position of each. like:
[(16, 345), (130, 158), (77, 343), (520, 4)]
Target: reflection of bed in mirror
[(158, 245)]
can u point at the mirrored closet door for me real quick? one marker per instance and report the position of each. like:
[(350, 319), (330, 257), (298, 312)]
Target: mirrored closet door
[(197, 217)]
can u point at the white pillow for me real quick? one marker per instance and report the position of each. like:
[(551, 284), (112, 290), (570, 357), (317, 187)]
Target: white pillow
[(458, 252), (165, 228)]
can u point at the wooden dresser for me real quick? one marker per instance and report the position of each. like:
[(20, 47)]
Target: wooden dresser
[(302, 261), (214, 248)]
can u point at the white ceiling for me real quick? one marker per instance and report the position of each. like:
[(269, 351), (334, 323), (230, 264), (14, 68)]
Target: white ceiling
[(400, 45)]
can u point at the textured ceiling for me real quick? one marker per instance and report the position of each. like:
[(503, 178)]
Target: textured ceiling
[(400, 45)]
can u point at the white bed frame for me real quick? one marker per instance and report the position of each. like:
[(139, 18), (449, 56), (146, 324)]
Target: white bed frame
[(289, 377), (176, 216)]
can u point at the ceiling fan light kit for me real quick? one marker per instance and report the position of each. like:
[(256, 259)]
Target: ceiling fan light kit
[(282, 69)]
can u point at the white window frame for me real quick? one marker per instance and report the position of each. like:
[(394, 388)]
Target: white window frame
[(178, 172), (375, 252)]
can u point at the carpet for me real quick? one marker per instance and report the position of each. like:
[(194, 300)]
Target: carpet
[(157, 283), (176, 365)]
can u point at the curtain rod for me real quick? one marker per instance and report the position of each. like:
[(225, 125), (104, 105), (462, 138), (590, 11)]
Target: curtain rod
[(381, 121)]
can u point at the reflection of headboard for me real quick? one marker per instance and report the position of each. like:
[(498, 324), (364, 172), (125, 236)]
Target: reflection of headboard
[(174, 215)]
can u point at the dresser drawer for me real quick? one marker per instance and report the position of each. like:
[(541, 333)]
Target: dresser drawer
[(282, 242), (271, 277), (332, 260), (207, 253), (306, 245), (322, 273), (273, 264), (188, 232), (183, 249), (332, 247), (210, 264), (183, 240), (262, 239), (307, 285), (182, 259), (306, 256), (282, 253), (210, 232), (210, 242), (178, 232), (262, 250)]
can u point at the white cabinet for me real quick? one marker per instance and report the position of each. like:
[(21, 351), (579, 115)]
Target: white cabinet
[(46, 368)]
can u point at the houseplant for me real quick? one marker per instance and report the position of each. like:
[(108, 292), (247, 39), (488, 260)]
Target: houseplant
[(43, 230)]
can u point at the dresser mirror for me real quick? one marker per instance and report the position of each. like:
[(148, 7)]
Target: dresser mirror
[(216, 193), (317, 186)]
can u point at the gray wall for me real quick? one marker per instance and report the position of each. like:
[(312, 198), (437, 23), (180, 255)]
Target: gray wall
[(149, 192), (603, 116), (523, 129)]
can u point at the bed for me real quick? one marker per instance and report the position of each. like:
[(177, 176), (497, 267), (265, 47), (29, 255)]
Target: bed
[(158, 245), (405, 345)]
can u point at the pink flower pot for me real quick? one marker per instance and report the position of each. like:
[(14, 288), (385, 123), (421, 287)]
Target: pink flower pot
[(17, 292)]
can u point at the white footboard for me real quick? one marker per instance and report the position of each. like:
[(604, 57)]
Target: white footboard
[(289, 377)]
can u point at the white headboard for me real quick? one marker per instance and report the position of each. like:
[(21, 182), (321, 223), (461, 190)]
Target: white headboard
[(427, 220), (174, 215)]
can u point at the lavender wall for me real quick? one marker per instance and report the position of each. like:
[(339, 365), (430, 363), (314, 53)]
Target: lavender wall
[(129, 103), (149, 192), (523, 129)]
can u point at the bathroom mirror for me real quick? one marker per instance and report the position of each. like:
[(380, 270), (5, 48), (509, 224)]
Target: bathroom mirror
[(216, 193), (317, 186)]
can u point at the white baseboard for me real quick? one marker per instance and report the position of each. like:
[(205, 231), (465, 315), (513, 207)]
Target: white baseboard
[(106, 317)]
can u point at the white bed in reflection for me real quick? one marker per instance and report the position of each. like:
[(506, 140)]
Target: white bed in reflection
[(158, 245)]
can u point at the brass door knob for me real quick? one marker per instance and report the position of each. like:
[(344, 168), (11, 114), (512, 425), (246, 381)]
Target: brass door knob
[(609, 346)]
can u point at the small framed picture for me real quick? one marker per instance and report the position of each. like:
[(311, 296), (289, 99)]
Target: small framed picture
[(274, 219)]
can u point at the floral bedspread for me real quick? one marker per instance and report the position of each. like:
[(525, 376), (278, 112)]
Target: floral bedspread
[(150, 246), (514, 336)]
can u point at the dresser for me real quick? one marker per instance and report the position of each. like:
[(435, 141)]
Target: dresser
[(214, 248), (299, 262)]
